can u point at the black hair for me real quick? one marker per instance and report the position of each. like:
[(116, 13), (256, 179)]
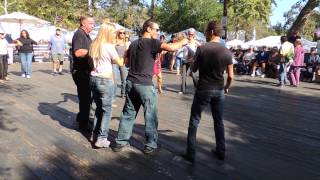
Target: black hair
[(283, 39), (147, 24), (28, 36), (214, 28)]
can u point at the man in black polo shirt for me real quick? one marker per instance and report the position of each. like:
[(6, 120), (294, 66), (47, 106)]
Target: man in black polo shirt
[(139, 87), (81, 69), (211, 59)]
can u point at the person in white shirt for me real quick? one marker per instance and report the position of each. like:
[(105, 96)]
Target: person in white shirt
[(3, 57), (286, 53)]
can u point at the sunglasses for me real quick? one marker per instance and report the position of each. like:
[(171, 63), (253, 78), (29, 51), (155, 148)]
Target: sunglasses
[(156, 29), (122, 33), (1, 34)]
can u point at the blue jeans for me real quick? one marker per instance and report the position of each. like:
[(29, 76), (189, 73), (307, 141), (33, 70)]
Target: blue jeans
[(138, 95), (123, 76), (283, 79), (102, 91), (26, 62), (201, 99)]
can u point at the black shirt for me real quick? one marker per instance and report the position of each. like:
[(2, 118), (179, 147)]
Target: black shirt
[(27, 45), (142, 54), (212, 59), (81, 40)]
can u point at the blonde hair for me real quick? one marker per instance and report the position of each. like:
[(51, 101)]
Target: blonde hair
[(179, 36), (298, 41), (106, 34)]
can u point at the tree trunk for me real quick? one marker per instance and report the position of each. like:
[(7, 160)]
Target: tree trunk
[(152, 8), (303, 15)]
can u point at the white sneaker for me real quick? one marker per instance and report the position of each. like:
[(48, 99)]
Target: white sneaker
[(253, 75), (28, 76), (263, 75), (23, 75), (102, 143)]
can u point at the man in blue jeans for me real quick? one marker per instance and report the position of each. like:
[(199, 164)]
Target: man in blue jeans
[(140, 90), (212, 59)]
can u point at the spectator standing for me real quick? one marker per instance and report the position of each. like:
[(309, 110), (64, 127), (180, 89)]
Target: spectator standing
[(3, 57), (57, 45), (81, 69), (157, 66), (189, 52), (297, 63), (121, 47), (25, 49), (140, 89), (286, 53), (212, 59)]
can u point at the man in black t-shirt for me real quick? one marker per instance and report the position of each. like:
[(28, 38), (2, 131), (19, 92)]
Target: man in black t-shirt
[(81, 69), (140, 59), (212, 59)]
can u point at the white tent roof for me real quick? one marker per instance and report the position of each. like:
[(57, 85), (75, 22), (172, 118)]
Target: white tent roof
[(272, 41), (22, 18), (236, 43)]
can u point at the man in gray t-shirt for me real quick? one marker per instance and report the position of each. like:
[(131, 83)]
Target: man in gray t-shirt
[(57, 47)]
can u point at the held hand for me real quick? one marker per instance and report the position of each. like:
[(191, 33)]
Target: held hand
[(120, 62), (226, 90)]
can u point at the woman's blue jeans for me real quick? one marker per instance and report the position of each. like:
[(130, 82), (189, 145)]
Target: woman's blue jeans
[(102, 91), (26, 63)]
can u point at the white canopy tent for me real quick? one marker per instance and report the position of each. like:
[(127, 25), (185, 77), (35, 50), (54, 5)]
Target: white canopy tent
[(14, 22), (235, 43), (274, 41)]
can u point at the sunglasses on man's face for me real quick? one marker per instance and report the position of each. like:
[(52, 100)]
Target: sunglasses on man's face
[(1, 34), (156, 29)]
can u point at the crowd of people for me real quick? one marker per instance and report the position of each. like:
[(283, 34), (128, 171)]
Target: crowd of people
[(290, 59), (97, 64)]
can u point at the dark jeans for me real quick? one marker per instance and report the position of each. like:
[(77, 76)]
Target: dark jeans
[(102, 91), (138, 95), (82, 81), (201, 99), (184, 75), (3, 66)]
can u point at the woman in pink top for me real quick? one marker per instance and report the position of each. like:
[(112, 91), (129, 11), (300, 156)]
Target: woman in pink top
[(297, 63), (103, 55)]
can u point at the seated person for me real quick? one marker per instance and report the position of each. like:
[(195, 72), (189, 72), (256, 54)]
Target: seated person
[(272, 63), (312, 61), (248, 58), (261, 60)]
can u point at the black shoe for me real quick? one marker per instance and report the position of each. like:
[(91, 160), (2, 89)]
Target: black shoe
[(60, 73), (188, 158), (84, 127), (219, 155), (149, 150), (118, 147)]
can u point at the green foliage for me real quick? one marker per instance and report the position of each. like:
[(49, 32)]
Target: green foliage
[(69, 10), (246, 14), (177, 15)]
